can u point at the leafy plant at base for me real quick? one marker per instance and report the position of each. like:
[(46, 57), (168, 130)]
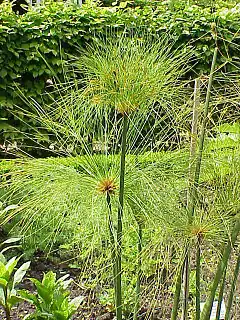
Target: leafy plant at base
[(52, 299), (8, 281)]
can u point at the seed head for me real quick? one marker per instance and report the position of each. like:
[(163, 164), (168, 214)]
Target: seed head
[(199, 231), (107, 185)]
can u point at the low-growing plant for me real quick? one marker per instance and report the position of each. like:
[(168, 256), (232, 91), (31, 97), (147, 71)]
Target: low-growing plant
[(52, 300), (9, 279)]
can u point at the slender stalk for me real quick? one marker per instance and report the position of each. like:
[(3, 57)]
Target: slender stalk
[(7, 313), (219, 273), (6, 308), (202, 138), (186, 273), (194, 184), (112, 241), (198, 277), (138, 284), (193, 144), (233, 286), (110, 223), (220, 296), (177, 295), (120, 221)]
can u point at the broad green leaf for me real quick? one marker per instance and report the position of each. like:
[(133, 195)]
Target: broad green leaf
[(2, 258), (2, 269), (60, 315), (30, 297), (20, 273), (49, 280), (3, 282), (77, 301), (11, 240), (43, 292), (2, 297), (3, 73), (11, 264), (14, 300), (9, 248)]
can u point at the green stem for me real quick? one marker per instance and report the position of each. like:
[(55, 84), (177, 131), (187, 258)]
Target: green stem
[(194, 186), (233, 286), (220, 270), (177, 295), (193, 193), (138, 284), (198, 276), (220, 296), (193, 144), (120, 221), (112, 241), (7, 313), (6, 308), (186, 273)]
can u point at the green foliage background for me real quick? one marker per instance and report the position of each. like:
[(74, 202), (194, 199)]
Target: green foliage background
[(35, 47)]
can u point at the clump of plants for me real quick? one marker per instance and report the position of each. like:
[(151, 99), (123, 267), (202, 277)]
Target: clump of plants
[(121, 85), (52, 300)]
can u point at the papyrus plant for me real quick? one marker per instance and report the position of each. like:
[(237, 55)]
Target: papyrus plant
[(119, 84), (130, 77)]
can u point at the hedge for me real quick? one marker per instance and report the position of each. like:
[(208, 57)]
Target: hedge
[(33, 46)]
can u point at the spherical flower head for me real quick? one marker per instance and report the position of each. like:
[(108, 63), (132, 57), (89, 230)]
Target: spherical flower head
[(199, 232), (128, 75), (107, 186)]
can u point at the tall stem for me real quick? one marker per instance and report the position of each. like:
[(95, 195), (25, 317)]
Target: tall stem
[(202, 139), (219, 273), (220, 296), (120, 221), (193, 144), (233, 286), (112, 241), (198, 277), (193, 185), (138, 284), (177, 295), (186, 273), (193, 147)]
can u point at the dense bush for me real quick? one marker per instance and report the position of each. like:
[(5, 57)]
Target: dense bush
[(35, 46)]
